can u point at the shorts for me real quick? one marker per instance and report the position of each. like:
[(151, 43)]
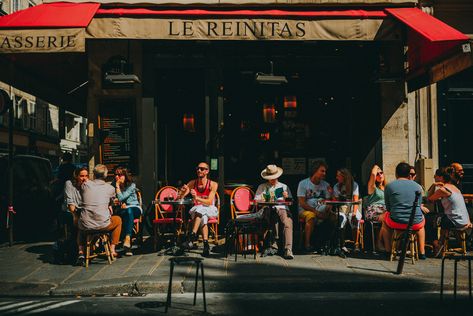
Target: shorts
[(394, 225), (308, 215)]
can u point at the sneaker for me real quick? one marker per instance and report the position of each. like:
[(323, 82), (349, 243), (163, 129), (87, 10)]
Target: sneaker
[(345, 249), (80, 262), (422, 256), (128, 251), (288, 254)]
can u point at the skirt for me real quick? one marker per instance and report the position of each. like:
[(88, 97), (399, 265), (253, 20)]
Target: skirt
[(205, 211)]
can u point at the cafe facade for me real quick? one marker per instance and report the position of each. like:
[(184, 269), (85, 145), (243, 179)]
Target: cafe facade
[(240, 83)]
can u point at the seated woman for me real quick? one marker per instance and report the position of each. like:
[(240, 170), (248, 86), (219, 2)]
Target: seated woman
[(455, 212), (72, 197), (129, 204), (73, 204), (347, 189), (375, 204)]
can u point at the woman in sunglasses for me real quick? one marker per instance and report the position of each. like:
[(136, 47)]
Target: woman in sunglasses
[(375, 204)]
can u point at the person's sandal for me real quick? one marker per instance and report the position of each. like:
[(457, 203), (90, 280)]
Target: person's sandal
[(128, 251)]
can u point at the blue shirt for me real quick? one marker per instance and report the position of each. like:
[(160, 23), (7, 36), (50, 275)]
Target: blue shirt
[(399, 196), (129, 196)]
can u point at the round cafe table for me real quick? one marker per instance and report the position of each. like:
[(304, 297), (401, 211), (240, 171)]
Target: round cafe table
[(269, 251), (178, 204), (335, 248)]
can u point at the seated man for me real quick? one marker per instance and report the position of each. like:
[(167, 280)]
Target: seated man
[(277, 190), (399, 196), (310, 192), (203, 192), (96, 214)]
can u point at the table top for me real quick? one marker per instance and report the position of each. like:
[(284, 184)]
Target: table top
[(175, 202), (335, 202), (271, 203)]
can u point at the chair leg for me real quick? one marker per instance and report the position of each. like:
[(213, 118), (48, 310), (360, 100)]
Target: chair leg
[(394, 246), (373, 241), (106, 246), (87, 251), (155, 237), (216, 233), (412, 246)]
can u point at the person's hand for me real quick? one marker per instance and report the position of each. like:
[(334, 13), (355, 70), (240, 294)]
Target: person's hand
[(193, 193), (285, 194), (123, 206), (424, 209), (439, 184), (330, 190), (375, 169)]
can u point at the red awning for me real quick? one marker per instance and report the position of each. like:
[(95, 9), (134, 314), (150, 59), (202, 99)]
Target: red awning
[(430, 42), (51, 15)]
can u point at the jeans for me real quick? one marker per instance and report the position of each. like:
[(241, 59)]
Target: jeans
[(128, 215)]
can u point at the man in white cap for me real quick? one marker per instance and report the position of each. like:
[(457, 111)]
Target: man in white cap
[(275, 190)]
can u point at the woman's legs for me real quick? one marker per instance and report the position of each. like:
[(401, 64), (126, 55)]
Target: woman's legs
[(421, 240), (128, 215)]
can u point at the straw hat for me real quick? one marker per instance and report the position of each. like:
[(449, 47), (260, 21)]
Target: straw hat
[(271, 172)]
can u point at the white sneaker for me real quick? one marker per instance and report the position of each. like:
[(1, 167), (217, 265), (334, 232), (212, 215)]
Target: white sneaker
[(288, 254)]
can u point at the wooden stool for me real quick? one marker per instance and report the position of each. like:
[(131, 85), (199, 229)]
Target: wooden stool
[(462, 236), (397, 237), (199, 264), (94, 237)]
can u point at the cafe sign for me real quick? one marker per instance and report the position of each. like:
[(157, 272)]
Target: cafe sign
[(235, 29), (42, 40)]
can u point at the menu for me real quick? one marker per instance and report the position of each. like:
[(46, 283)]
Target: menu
[(118, 141)]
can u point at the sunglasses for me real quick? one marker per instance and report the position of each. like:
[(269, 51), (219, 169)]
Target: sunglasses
[(379, 173), (201, 169), (412, 174)]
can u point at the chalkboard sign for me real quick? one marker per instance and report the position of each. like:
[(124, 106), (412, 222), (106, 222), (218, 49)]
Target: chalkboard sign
[(117, 127)]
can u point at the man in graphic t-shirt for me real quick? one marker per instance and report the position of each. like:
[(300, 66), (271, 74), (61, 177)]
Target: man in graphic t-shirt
[(310, 193)]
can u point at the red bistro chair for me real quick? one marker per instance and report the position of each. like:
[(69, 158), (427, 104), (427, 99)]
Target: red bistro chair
[(245, 230), (213, 222), (164, 213)]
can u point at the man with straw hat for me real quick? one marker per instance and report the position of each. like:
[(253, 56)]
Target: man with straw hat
[(273, 190)]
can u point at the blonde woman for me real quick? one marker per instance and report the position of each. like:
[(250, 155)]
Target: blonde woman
[(375, 204)]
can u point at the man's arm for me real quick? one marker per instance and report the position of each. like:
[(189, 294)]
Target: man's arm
[(306, 207)]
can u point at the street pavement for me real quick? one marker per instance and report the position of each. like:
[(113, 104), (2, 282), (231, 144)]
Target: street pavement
[(331, 303), (26, 271)]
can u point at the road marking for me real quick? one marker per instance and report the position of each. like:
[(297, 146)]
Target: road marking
[(131, 264), (5, 303), (50, 307), (3, 308), (23, 278), (28, 307), (150, 272)]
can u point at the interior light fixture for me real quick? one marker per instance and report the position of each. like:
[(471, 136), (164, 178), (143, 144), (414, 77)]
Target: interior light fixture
[(270, 79), (122, 78)]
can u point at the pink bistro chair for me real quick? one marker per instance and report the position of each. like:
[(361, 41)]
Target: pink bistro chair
[(164, 213), (240, 204)]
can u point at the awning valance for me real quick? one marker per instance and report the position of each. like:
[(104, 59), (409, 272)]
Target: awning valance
[(54, 27)]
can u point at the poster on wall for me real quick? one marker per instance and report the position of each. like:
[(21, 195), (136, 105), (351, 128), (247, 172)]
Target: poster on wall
[(294, 166), (117, 126)]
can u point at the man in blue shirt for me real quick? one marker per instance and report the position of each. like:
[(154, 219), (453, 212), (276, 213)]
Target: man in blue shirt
[(399, 196)]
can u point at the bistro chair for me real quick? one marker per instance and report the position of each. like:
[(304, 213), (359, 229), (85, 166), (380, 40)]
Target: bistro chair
[(96, 240), (164, 214), (215, 221), (398, 235), (137, 222), (244, 230), (461, 237)]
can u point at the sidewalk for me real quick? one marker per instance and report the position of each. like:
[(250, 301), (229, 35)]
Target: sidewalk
[(25, 270)]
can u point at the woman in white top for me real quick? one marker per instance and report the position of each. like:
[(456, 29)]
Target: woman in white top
[(455, 212), (347, 189)]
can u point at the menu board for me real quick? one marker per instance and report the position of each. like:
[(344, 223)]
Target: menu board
[(117, 131)]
